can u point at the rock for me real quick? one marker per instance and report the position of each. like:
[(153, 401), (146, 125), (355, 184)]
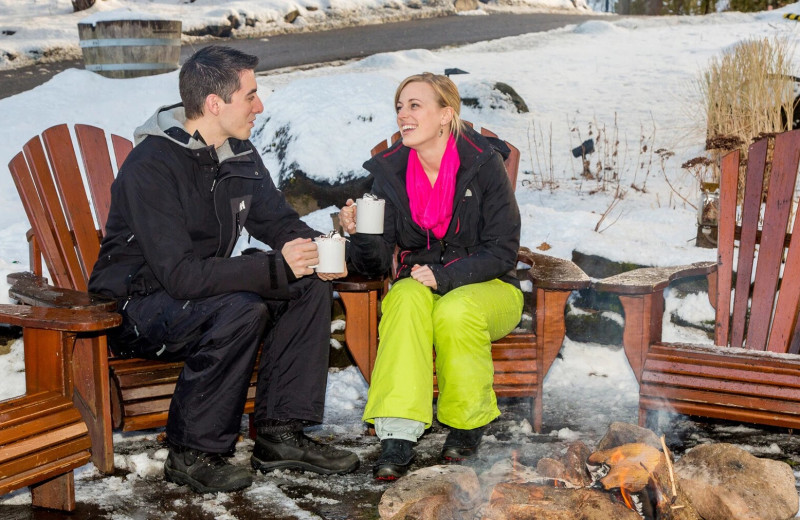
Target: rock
[(306, 195), (571, 468), (575, 463), (436, 507), (725, 482), (551, 468), (291, 16), (507, 470), (533, 502), (516, 99), (620, 433), (219, 31), (466, 5), (457, 486), (494, 96), (586, 325), (599, 267)]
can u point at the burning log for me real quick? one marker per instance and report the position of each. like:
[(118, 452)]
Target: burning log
[(629, 467), (642, 476)]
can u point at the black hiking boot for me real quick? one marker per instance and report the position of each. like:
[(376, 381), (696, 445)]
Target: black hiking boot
[(396, 456), (295, 450), (461, 444), (205, 472)]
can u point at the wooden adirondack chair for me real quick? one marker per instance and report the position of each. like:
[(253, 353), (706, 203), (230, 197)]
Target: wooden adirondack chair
[(751, 374), (66, 229), (521, 359), (42, 435)]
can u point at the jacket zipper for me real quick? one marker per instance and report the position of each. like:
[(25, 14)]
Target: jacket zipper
[(216, 212)]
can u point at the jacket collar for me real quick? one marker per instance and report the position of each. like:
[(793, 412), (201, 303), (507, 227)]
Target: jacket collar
[(389, 166)]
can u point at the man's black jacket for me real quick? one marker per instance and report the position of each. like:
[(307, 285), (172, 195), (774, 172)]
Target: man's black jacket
[(482, 240), (177, 212)]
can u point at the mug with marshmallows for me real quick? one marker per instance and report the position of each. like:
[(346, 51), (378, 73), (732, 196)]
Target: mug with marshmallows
[(369, 218), (331, 252)]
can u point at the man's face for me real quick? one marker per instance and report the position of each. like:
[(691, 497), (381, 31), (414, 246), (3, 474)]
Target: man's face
[(237, 118)]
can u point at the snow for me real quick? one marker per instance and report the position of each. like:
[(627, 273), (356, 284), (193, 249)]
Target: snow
[(47, 30), (626, 80), (120, 14)]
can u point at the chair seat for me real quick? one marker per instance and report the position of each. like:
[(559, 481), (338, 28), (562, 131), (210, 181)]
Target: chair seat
[(42, 435), (141, 391), (723, 383)]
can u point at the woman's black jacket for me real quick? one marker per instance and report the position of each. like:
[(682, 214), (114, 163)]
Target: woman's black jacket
[(482, 240)]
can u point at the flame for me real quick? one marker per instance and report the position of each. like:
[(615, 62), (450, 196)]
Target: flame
[(624, 473), (626, 497)]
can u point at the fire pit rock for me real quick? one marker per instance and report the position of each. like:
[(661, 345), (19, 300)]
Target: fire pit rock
[(571, 468), (528, 501), (436, 492), (620, 433), (727, 483)]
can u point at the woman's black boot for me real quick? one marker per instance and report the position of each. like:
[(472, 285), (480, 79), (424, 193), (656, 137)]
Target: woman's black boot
[(396, 456), (461, 444)]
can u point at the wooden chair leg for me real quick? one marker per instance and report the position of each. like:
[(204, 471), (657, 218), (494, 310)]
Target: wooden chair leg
[(93, 397), (56, 493), (536, 409), (643, 317), (550, 332), (361, 330)]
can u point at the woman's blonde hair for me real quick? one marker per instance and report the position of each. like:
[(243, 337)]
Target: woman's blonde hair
[(446, 95)]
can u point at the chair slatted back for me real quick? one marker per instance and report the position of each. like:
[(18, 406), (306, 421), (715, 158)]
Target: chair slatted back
[(511, 162), (97, 164), (761, 266), (51, 186)]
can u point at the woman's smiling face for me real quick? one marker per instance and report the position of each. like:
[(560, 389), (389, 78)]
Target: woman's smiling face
[(419, 115)]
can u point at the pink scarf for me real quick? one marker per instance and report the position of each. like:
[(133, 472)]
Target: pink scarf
[(432, 206)]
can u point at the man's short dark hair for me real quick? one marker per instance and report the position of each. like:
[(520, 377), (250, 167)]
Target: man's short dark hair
[(212, 70)]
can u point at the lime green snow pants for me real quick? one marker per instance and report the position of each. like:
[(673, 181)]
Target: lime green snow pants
[(460, 326)]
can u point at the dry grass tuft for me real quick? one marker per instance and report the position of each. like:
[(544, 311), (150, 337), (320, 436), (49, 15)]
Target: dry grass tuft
[(744, 92)]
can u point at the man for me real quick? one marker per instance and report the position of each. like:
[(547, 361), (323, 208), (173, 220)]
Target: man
[(191, 184)]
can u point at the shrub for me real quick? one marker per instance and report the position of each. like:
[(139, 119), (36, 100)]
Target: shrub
[(743, 94)]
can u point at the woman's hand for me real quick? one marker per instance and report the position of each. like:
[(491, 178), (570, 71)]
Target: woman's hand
[(424, 275), (347, 217)]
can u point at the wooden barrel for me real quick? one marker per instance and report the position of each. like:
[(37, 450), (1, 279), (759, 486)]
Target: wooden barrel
[(130, 48)]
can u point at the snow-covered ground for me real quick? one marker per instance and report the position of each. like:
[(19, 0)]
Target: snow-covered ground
[(626, 83)]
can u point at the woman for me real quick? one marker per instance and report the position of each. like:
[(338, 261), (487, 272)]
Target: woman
[(451, 212)]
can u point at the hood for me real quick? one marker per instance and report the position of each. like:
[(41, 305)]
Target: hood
[(167, 123)]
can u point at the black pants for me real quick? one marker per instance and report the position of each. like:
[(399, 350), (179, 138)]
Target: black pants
[(218, 338)]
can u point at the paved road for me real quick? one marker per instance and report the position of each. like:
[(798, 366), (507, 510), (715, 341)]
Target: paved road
[(286, 50)]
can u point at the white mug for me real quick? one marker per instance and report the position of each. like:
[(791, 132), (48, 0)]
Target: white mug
[(369, 214), (331, 252)]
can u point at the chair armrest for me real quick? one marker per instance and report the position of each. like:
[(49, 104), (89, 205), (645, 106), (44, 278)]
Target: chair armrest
[(358, 283), (30, 289), (71, 320), (651, 279), (549, 272)]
